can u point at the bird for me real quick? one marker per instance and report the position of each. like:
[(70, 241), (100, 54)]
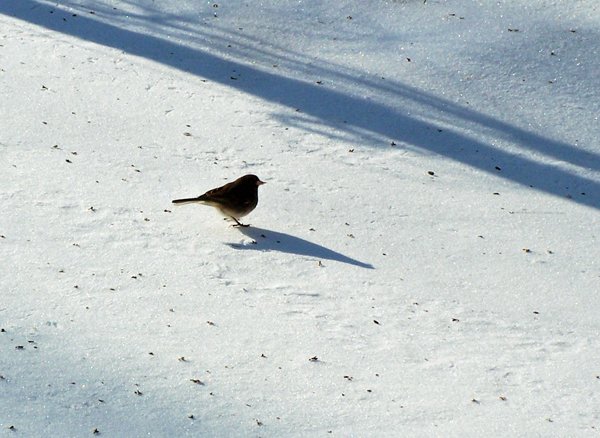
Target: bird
[(234, 200)]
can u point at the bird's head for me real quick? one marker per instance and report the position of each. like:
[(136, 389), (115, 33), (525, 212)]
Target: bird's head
[(254, 180)]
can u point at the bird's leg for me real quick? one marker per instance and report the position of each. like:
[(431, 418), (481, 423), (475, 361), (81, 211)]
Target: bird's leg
[(238, 223)]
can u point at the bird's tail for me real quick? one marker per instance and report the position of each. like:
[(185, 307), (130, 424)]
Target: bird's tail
[(186, 200)]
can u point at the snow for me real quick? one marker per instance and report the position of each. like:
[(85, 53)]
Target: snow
[(424, 259)]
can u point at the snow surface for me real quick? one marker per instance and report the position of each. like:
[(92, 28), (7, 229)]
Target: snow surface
[(424, 260)]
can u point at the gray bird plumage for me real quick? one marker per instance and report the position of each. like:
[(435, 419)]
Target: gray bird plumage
[(234, 200)]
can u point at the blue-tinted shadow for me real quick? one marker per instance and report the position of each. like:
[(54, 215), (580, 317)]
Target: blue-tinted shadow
[(269, 240)]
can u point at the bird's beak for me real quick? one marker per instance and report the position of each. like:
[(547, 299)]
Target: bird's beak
[(260, 183)]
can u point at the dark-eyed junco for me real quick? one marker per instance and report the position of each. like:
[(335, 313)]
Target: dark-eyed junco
[(235, 199)]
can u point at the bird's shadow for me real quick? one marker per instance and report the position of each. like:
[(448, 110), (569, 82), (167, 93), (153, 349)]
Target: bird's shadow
[(269, 240)]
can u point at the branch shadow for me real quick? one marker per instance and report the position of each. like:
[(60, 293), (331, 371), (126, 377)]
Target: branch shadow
[(373, 121), (269, 240)]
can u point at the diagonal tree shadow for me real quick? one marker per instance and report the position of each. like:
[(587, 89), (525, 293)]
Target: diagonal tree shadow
[(269, 240), (370, 120)]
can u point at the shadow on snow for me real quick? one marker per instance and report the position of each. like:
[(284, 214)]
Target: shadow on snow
[(269, 240), (368, 120)]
